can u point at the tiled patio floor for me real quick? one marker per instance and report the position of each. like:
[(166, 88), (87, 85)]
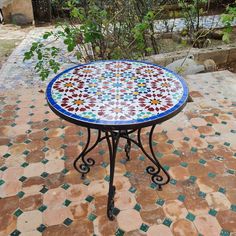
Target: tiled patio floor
[(42, 194)]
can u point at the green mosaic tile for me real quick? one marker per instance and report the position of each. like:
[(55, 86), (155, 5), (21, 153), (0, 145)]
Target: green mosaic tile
[(119, 232), (201, 194), (230, 171), (81, 144), (32, 106), (173, 181), (107, 178), (179, 129), (13, 124), (92, 217), (67, 221), (233, 131), (227, 144), (170, 141), (66, 202), (41, 228), (202, 136), (31, 114), (177, 152), (18, 212), (184, 164), (167, 222), (26, 152), (144, 227), (46, 138), (210, 146), (6, 155), (15, 233), (181, 197), (45, 120), (3, 168), (142, 158), (153, 186), (86, 182), (89, 198), (115, 211), (211, 175), (22, 178), (42, 208), (44, 175), (64, 158), (27, 141), (186, 139), (128, 174), (80, 133), (43, 190), (65, 186), (63, 146), (224, 233), (190, 216), (233, 207), (9, 144), (62, 126), (193, 149), (217, 133), (101, 152), (20, 194), (2, 182), (64, 171), (212, 212), (209, 124), (137, 207), (25, 164), (222, 190), (28, 131), (45, 129), (160, 202), (202, 161), (224, 122), (192, 179), (159, 155), (45, 161), (194, 127), (132, 189), (45, 149)]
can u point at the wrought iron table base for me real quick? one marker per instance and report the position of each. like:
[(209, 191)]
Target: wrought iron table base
[(158, 174)]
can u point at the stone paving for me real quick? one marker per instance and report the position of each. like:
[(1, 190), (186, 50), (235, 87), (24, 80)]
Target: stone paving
[(42, 194)]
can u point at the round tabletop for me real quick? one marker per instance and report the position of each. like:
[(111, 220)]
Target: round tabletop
[(120, 94)]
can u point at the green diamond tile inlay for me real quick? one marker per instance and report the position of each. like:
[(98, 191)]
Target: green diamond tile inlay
[(115, 211), (42, 208), (67, 221), (44, 174), (45, 161), (86, 182), (186, 139), (43, 190), (107, 178), (9, 144), (217, 133), (89, 198), (132, 189), (18, 212), (26, 152), (119, 232), (64, 171), (180, 129), (13, 124), (46, 138), (193, 149), (64, 158), (92, 217), (24, 164), (227, 144), (41, 228), (166, 167), (233, 207), (170, 141), (224, 122), (222, 190), (128, 174), (101, 152), (6, 155), (45, 149), (27, 141), (63, 146), (153, 186), (202, 162), (15, 233), (137, 207), (20, 194), (173, 181), (65, 186), (160, 202), (80, 133), (3, 168), (211, 175), (192, 179), (142, 158), (212, 212), (22, 178), (167, 222), (190, 216), (2, 182), (67, 202), (144, 227), (210, 146), (177, 152), (202, 194), (230, 171), (202, 136), (224, 233), (184, 164), (104, 164), (181, 198), (45, 129)]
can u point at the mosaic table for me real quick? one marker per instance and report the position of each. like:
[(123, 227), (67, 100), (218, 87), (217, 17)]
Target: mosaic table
[(117, 98)]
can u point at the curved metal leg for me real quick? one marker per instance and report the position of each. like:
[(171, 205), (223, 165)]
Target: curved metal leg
[(156, 171), (84, 167), (112, 145), (127, 146)]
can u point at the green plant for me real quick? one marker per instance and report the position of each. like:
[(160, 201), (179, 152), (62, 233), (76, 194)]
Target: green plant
[(99, 30), (227, 19)]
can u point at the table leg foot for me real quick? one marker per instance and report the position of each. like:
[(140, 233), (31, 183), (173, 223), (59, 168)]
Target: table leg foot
[(127, 146), (110, 203)]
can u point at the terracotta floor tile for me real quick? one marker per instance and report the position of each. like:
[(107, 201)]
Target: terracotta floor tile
[(218, 201), (54, 198), (159, 229), (184, 227), (227, 220)]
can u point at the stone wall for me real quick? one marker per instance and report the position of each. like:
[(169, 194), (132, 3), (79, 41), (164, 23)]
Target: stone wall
[(222, 55), (18, 6)]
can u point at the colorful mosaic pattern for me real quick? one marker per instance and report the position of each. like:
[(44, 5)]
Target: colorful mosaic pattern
[(117, 92)]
